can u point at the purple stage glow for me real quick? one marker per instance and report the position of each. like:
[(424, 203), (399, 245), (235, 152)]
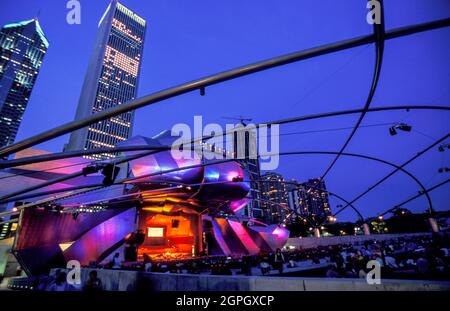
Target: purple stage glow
[(223, 187), (92, 244)]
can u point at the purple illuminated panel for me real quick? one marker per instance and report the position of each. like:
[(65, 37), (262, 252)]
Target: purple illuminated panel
[(219, 184), (245, 238), (93, 243), (41, 234), (47, 239), (219, 238), (161, 161), (235, 238)]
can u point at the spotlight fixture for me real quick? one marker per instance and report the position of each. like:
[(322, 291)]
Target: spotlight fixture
[(392, 131), (443, 146), (400, 126), (404, 127), (443, 169)]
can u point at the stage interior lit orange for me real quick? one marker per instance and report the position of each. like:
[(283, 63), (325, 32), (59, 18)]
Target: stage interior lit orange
[(168, 236)]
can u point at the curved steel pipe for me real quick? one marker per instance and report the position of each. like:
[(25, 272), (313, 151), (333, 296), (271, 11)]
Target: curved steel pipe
[(219, 78), (416, 196), (64, 178), (398, 168), (379, 48), (349, 204), (11, 198), (78, 153), (73, 154)]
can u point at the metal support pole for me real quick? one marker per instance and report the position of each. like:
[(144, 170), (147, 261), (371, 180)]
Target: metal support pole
[(219, 78)]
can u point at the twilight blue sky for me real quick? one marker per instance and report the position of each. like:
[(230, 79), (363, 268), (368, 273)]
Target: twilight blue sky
[(186, 40)]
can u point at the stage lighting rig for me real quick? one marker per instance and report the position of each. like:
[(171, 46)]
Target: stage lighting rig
[(400, 126), (443, 170), (443, 147)]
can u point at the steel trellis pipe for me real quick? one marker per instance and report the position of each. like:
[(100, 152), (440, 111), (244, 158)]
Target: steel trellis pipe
[(162, 189), (349, 204), (66, 177), (125, 148), (379, 48), (397, 169), (191, 185), (368, 158), (11, 197), (421, 193), (14, 197), (219, 78), (76, 153), (72, 154)]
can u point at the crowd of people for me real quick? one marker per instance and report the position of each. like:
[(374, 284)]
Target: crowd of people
[(406, 257), (423, 257), (420, 257), (57, 282), (409, 258)]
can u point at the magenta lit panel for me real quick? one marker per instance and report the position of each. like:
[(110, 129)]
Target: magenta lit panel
[(93, 243), (245, 238)]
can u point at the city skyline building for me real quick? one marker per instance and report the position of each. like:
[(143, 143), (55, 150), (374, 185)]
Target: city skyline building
[(23, 46), (112, 79), (245, 146), (275, 196), (310, 200)]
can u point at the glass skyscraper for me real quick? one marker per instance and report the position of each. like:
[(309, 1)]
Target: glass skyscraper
[(274, 192), (311, 200), (111, 79), (22, 49)]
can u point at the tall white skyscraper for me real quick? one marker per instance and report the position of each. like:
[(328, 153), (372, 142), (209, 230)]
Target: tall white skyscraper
[(111, 80)]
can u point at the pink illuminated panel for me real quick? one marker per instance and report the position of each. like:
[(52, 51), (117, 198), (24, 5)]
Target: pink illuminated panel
[(245, 238)]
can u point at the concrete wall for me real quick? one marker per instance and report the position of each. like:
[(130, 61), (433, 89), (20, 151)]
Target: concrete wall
[(132, 280), (312, 242)]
